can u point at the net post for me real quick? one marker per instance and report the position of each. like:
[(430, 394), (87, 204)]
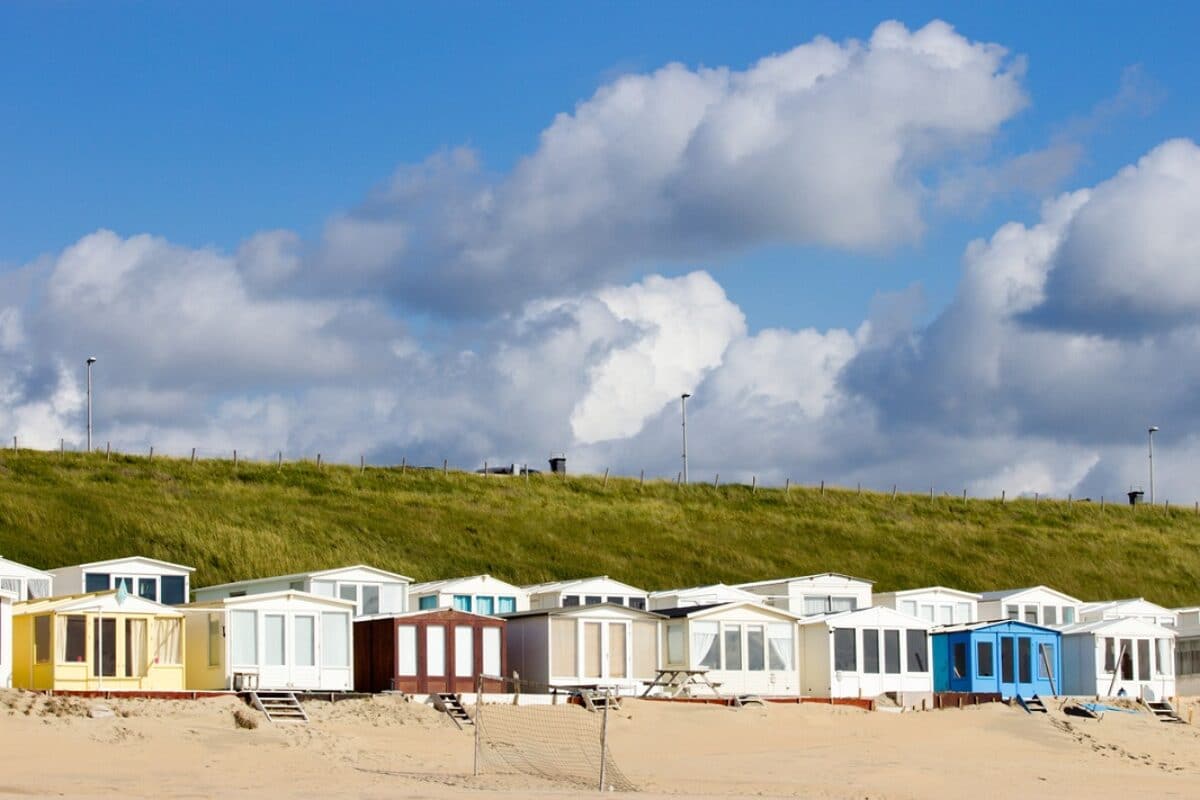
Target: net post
[(604, 736), (478, 719)]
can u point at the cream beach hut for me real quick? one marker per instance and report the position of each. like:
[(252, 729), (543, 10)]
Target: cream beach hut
[(746, 647), (702, 596), (101, 641), (806, 595), (1117, 657), (1036, 605), (26, 583), (585, 592), (6, 641), (373, 591), (1187, 651), (477, 594), (276, 641), (147, 578), (1136, 608), (866, 653), (933, 604), (595, 646)]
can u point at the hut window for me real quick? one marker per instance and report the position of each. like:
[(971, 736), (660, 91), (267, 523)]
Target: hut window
[(406, 649), (909, 607), (960, 659), (427, 602), (1127, 659), (370, 599), (617, 601), (593, 600), (12, 585), (435, 651), (169, 633), (174, 590), (243, 627), (304, 629), (135, 647), (962, 612), (984, 659), (104, 647), (37, 587), (1007, 673), (815, 605), (1143, 654), (733, 647), (1187, 657), (945, 614), (918, 655), (1068, 615), (1163, 663), (274, 640), (148, 589), (845, 654), (214, 639), (296, 586), (1025, 659), (1110, 654), (842, 604), (41, 639), (570, 600), (637, 602), (754, 648), (675, 643), (618, 641), (1051, 615), (891, 652), (706, 649), (506, 605), (72, 635), (564, 653), (464, 651), (592, 657), (335, 639), (1031, 615), (779, 645), (1046, 661), (491, 651), (462, 602), (1012, 612), (870, 637), (485, 604), (927, 612), (96, 582)]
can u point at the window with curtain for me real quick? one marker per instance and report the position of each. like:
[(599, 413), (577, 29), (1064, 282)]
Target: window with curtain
[(733, 647), (564, 653), (135, 647), (370, 599), (909, 607), (1012, 612), (1143, 654), (464, 651), (1031, 615), (335, 639), (406, 649), (12, 585), (780, 638), (706, 650), (462, 602), (1068, 615), (148, 589), (1110, 654), (618, 641), (214, 640), (960, 659), (842, 604), (507, 605), (891, 652), (916, 645), (170, 640), (1164, 661), (755, 655), (1051, 615), (37, 587), (243, 638), (274, 640), (97, 582), (72, 634), (845, 651), (427, 602), (41, 639), (485, 604), (870, 640), (985, 660), (927, 612), (304, 630), (815, 605), (675, 643), (1045, 660), (491, 651)]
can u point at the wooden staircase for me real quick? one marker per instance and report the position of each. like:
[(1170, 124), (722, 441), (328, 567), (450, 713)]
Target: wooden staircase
[(595, 701), (1163, 710), (1033, 705), (279, 706), (451, 705)]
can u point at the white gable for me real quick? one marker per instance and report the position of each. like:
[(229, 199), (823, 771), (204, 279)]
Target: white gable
[(702, 595), (743, 611), (1033, 594), (276, 600), (1137, 607), (360, 573), (135, 565), (1121, 627), (874, 617)]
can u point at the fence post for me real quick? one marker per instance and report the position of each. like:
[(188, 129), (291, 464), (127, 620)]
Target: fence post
[(604, 736), (787, 486), (403, 465), (478, 717), (893, 491), (1035, 498), (445, 467), (964, 495), (1003, 492), (605, 484), (642, 479), (193, 455), (362, 464), (107, 451), (279, 461), (716, 479), (930, 492), (822, 488), (753, 484), (235, 458), (485, 472), (151, 453), (14, 444), (318, 461), (860, 487), (62, 448)]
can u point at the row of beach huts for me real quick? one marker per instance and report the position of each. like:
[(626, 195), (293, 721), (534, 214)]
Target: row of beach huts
[(136, 624)]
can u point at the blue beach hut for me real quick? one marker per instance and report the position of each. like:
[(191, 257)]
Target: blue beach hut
[(1007, 657)]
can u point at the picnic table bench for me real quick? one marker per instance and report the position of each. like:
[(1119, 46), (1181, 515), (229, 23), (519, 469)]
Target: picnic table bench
[(675, 682)]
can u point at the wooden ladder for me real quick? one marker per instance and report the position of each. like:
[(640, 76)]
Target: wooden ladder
[(594, 700), (1033, 705), (451, 704), (279, 706), (1163, 710)]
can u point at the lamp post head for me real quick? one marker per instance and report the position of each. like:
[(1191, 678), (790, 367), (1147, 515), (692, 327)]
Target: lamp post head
[(685, 396), (1152, 429), (91, 360)]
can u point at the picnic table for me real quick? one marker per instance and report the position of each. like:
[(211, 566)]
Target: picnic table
[(675, 682)]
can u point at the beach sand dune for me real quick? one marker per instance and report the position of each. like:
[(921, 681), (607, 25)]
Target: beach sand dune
[(384, 747)]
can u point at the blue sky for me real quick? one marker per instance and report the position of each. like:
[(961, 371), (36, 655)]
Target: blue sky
[(385, 228)]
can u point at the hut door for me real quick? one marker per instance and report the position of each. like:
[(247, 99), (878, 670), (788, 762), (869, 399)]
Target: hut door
[(305, 672), (104, 647), (1008, 666)]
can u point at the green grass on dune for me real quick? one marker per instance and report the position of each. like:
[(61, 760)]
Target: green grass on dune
[(255, 520)]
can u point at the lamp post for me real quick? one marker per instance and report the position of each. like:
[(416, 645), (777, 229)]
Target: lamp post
[(1150, 441), (91, 360), (683, 398)]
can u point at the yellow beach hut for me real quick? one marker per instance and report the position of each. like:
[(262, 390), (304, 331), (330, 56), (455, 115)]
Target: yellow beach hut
[(103, 641)]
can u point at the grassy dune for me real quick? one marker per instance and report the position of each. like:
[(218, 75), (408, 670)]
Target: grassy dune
[(255, 520)]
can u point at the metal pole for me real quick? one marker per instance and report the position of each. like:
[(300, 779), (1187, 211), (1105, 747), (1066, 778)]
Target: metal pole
[(91, 360), (683, 408), (1150, 440), (478, 717), (604, 737)]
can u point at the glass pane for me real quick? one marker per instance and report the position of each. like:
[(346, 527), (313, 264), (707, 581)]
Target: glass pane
[(675, 643), (962, 612), (1008, 673), (370, 600), (214, 640), (335, 639), (1045, 660), (104, 647), (485, 605), (1025, 659), (1051, 615), (891, 652), (637, 602), (1012, 612), (909, 607), (349, 591), (815, 605), (1164, 660), (76, 644), (174, 589), (916, 647), (305, 632), (462, 602), (1031, 615), (870, 637), (406, 650), (779, 645), (618, 634), (927, 612), (755, 656), (1127, 660), (508, 605), (148, 588), (491, 651), (841, 604), (464, 651), (127, 583), (427, 602), (570, 600), (96, 582), (733, 647), (1068, 615), (1143, 655), (845, 654), (243, 626), (984, 659), (945, 614), (592, 600), (1110, 654), (706, 649), (435, 651), (960, 659), (41, 639)]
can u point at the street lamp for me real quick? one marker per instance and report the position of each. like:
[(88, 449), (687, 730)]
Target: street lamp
[(1150, 440), (683, 406), (91, 360)]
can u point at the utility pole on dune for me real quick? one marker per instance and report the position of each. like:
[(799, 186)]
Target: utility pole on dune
[(1150, 440), (683, 398), (91, 360)]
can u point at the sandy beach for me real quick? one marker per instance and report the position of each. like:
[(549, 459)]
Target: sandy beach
[(385, 747)]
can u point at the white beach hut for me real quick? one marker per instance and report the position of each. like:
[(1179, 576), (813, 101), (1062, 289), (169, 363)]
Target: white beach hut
[(702, 596), (274, 641), (1037, 605), (477, 594), (6, 638), (866, 653), (373, 591), (1187, 651), (746, 647), (806, 595), (1135, 608), (147, 578), (585, 592), (1115, 657), (25, 582), (933, 604)]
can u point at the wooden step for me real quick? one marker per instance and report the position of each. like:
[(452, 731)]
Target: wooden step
[(279, 706), (451, 704), (1033, 705)]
